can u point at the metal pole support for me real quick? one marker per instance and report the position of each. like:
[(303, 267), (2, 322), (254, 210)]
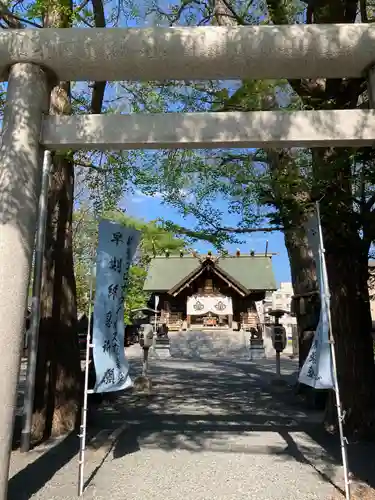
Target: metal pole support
[(35, 308), (83, 426), (340, 413), (278, 365), (145, 361)]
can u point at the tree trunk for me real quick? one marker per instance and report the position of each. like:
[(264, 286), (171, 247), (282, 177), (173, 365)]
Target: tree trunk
[(346, 253), (347, 269), (306, 303), (59, 377), (290, 200), (58, 382), (351, 325)]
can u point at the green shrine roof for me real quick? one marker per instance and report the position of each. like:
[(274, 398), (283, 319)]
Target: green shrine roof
[(252, 272)]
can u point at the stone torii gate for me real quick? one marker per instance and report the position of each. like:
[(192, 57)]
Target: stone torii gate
[(31, 60)]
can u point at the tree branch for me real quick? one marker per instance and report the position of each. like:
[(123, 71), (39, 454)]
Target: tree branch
[(98, 88), (350, 11), (84, 20), (15, 21), (86, 164), (248, 230), (12, 21), (225, 15), (214, 235), (81, 6), (277, 11), (363, 10), (309, 12), (369, 203)]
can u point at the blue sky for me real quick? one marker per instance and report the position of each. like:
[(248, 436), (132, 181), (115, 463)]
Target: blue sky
[(148, 208)]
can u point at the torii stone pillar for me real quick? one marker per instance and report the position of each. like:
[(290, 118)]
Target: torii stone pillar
[(20, 170)]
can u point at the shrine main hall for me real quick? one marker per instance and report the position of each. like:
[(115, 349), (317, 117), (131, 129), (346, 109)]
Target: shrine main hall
[(209, 291)]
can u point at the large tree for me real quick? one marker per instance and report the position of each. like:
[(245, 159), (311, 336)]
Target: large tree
[(347, 231), (58, 378), (347, 217)]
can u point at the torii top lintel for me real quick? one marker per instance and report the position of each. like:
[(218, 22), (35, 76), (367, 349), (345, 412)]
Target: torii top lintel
[(254, 52)]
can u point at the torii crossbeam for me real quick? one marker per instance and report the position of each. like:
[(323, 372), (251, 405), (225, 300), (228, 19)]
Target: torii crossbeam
[(31, 60)]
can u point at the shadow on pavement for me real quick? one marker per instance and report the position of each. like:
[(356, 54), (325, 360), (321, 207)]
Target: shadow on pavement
[(205, 405), (35, 475), (227, 398)]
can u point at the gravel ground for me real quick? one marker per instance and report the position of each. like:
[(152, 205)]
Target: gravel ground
[(212, 428)]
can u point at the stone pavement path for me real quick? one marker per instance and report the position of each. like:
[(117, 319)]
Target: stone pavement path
[(211, 429), (215, 430)]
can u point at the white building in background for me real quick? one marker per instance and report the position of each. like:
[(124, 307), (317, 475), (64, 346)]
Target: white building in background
[(280, 299)]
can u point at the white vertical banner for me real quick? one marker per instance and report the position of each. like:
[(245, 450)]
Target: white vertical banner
[(116, 248), (260, 310), (317, 370), (157, 298)]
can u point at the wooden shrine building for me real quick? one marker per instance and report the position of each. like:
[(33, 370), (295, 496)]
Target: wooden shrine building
[(210, 290)]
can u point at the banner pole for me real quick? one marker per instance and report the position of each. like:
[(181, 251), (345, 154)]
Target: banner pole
[(82, 433), (340, 414), (156, 314)]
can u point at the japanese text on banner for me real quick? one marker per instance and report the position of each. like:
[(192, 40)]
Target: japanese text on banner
[(317, 370), (116, 248)]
